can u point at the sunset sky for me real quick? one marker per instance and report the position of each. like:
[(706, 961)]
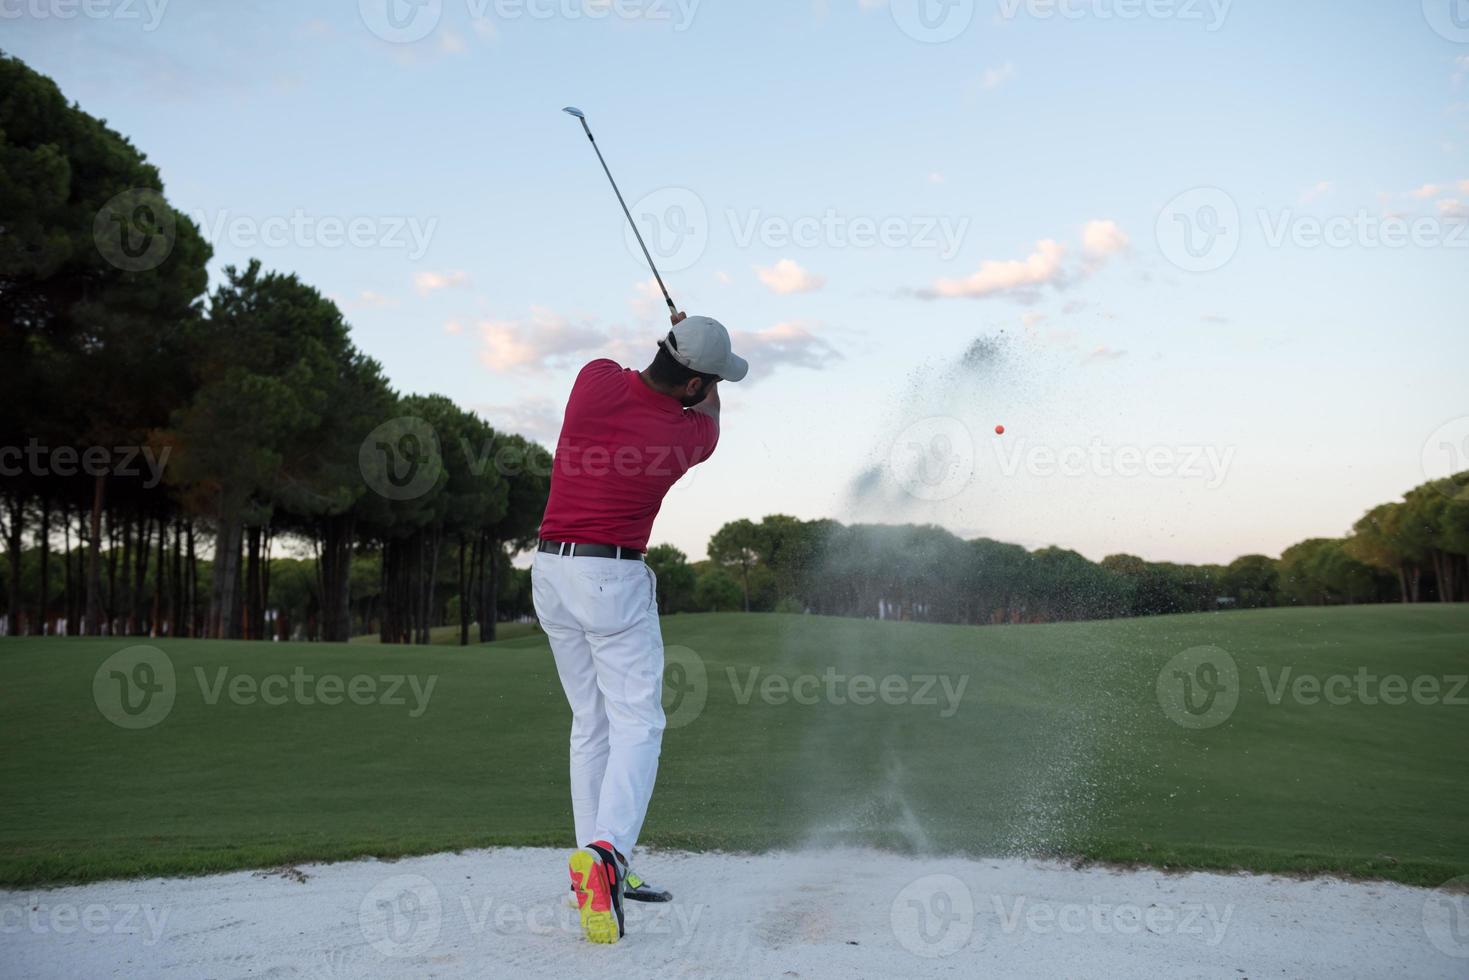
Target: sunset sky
[(1216, 254)]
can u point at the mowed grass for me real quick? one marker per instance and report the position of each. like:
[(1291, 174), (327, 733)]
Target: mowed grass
[(1055, 744)]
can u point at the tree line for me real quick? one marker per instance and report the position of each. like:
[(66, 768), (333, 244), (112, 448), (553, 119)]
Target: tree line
[(173, 442), (1413, 550)]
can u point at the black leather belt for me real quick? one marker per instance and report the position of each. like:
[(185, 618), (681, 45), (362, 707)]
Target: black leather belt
[(569, 550)]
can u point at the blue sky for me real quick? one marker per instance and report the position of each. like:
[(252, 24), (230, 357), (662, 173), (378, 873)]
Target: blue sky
[(1128, 198)]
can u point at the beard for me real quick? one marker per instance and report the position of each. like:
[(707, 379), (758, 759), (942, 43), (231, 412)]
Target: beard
[(689, 401)]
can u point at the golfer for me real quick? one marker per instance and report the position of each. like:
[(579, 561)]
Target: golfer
[(626, 439)]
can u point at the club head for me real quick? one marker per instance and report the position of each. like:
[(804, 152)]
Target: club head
[(574, 111)]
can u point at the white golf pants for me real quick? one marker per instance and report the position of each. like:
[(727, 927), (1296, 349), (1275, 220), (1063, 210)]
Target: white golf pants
[(601, 616)]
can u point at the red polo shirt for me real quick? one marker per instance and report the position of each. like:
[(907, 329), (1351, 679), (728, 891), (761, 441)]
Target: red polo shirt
[(622, 446)]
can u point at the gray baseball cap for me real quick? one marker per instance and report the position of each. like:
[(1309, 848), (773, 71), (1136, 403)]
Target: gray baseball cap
[(701, 343)]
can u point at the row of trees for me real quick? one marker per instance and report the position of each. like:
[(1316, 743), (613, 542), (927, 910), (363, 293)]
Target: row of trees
[(1410, 551), (171, 441)]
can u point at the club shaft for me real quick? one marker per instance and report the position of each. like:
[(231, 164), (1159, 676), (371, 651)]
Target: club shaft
[(646, 254)]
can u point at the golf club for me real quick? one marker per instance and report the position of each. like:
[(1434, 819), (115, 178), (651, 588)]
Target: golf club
[(572, 110)]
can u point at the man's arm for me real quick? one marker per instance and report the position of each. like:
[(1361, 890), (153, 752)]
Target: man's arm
[(710, 405)]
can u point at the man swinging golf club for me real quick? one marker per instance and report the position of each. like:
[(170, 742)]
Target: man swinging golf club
[(626, 438)]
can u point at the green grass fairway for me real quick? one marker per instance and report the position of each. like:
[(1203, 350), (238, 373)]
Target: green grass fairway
[(1058, 745)]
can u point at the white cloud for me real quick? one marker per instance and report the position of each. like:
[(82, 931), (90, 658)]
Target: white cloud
[(1102, 239), (544, 340), (791, 342), (1453, 209), (453, 328), (787, 276), (1428, 192), (936, 178), (367, 299), (1041, 267), (1031, 319), (995, 77), (537, 418), (723, 277), (428, 282), (1046, 266)]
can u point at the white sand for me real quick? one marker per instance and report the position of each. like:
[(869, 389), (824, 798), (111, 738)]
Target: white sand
[(837, 914)]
